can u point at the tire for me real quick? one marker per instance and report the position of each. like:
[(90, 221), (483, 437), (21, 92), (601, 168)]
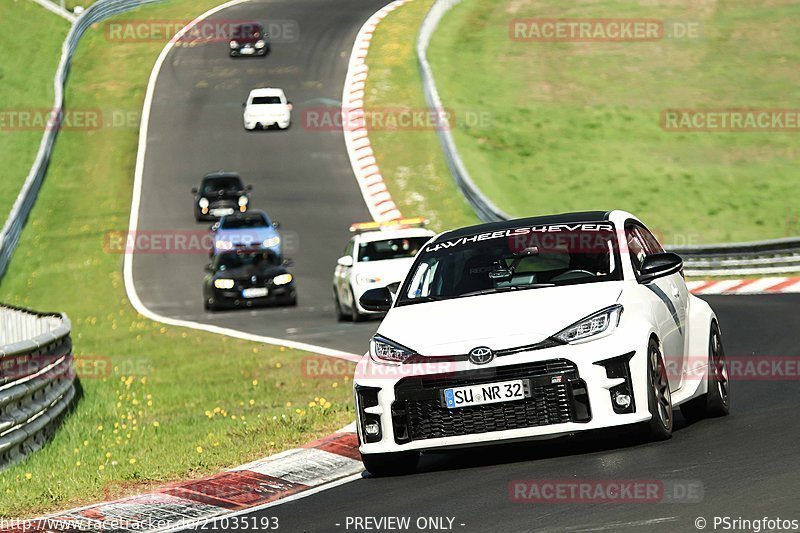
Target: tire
[(716, 402), (659, 398), (341, 316), (355, 315), (390, 464)]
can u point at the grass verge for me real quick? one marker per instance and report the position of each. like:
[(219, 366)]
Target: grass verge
[(158, 403), (410, 160), (577, 125), (26, 85)]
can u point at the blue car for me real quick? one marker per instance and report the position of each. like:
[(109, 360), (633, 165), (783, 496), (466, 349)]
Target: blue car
[(250, 230)]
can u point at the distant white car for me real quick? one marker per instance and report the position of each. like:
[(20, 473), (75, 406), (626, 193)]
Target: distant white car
[(378, 255), (267, 107), (535, 328)]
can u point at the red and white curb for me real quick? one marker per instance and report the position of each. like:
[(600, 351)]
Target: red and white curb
[(775, 285), (356, 137), (290, 474)]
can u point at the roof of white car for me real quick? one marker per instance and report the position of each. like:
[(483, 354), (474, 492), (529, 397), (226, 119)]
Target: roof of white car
[(386, 234), (267, 91)]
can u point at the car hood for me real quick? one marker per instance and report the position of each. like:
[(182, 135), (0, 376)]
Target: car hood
[(246, 273), (389, 270), (499, 321), (247, 236)]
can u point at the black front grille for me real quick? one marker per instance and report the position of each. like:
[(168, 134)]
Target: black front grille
[(557, 395)]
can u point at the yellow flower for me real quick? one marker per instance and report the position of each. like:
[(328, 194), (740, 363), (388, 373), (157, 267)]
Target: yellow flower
[(278, 365), (252, 402), (28, 475), (327, 405), (334, 384), (199, 449), (77, 463), (132, 460), (86, 443), (288, 404), (108, 455), (149, 403), (156, 424), (311, 404), (76, 450), (216, 444), (99, 428), (255, 382), (101, 467)]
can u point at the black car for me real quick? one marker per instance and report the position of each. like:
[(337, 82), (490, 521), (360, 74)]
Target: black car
[(220, 193), (249, 39), (247, 278)]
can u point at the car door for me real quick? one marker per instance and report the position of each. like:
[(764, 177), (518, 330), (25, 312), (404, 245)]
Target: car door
[(669, 311)]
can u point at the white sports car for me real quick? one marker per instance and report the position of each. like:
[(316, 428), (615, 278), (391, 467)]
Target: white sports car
[(378, 255), (535, 328), (265, 108)]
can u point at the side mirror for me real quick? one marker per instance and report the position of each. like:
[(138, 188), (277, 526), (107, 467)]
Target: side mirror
[(660, 265), (376, 300), (345, 261), (276, 224), (288, 262), (209, 268), (249, 188), (290, 105), (194, 190), (244, 104)]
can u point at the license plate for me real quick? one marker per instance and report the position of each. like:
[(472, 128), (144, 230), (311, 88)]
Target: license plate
[(247, 51), (222, 212), (258, 292), (502, 391)]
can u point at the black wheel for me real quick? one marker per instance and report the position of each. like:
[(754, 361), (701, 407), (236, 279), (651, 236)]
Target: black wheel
[(355, 315), (341, 316), (716, 402), (390, 464), (659, 398)]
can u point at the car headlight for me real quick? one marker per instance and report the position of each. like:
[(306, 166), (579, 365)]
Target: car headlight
[(223, 283), (234, 44), (224, 245), (361, 279), (260, 43), (243, 201), (598, 325), (272, 241), (283, 279), (203, 203), (386, 350)]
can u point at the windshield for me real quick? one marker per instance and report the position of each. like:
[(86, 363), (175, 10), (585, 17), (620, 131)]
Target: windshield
[(260, 100), (247, 31), (390, 249), (517, 258), (230, 261), (226, 184), (253, 220)]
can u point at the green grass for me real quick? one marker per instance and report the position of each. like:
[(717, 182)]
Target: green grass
[(174, 403), (26, 82), (411, 161), (577, 126)]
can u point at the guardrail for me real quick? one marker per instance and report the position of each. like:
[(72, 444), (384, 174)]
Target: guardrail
[(9, 236), (736, 259), (36, 379)]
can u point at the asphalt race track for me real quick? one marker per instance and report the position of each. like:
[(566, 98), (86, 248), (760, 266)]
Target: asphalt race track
[(746, 463), (301, 177)]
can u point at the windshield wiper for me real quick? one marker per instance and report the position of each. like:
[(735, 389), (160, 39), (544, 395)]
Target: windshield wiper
[(508, 288)]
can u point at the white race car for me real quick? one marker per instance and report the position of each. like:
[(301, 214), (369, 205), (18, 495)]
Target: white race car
[(265, 108), (378, 255), (535, 328)]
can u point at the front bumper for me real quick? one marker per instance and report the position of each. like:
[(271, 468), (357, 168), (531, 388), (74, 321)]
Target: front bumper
[(280, 295), (571, 389)]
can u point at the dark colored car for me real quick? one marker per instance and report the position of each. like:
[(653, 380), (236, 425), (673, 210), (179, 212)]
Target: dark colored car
[(247, 278), (220, 193), (249, 39)]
